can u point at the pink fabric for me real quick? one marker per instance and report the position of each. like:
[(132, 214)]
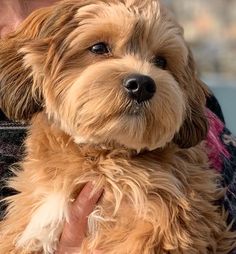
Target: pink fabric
[(215, 147)]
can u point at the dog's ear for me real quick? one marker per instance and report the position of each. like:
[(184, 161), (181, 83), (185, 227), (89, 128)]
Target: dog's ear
[(16, 95), (23, 51), (195, 126), (15, 83)]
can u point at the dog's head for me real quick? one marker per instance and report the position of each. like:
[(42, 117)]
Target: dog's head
[(116, 70)]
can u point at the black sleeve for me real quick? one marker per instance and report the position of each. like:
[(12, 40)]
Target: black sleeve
[(2, 116), (12, 136), (214, 106)]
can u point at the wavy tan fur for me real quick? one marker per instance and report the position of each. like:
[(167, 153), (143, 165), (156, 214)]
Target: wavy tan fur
[(159, 193)]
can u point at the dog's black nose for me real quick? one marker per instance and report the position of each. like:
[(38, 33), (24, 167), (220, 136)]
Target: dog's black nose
[(140, 87)]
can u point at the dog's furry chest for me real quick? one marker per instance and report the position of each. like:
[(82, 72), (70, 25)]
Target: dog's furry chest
[(149, 199), (153, 202)]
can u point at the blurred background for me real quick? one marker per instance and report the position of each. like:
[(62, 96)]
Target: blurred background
[(210, 29)]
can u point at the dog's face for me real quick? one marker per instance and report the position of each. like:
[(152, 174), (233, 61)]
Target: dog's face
[(110, 71)]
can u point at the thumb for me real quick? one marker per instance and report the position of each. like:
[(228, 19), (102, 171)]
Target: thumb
[(75, 229)]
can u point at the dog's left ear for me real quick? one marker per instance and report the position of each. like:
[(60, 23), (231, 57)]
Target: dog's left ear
[(195, 126)]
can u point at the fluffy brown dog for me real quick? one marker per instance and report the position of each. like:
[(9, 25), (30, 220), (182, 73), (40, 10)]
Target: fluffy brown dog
[(120, 104)]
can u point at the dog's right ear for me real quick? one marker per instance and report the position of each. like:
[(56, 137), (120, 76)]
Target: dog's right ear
[(23, 56), (17, 98)]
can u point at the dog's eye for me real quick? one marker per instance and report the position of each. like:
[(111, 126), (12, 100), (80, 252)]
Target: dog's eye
[(100, 48), (160, 62)]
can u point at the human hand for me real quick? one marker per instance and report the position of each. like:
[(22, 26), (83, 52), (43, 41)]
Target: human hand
[(74, 231)]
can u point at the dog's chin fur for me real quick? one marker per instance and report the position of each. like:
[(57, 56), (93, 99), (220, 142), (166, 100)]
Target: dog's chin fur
[(89, 129)]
